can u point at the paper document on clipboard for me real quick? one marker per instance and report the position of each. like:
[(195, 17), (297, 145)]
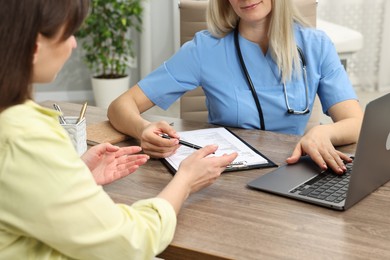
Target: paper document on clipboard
[(248, 157)]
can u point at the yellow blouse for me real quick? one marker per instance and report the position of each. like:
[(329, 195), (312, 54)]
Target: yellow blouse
[(51, 207)]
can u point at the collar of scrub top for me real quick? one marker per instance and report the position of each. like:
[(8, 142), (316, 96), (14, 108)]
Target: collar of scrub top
[(253, 91)]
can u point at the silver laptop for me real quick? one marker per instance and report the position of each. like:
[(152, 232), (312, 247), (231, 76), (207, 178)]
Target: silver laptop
[(370, 168)]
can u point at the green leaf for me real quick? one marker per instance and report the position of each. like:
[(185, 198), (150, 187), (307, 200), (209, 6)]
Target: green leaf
[(105, 35)]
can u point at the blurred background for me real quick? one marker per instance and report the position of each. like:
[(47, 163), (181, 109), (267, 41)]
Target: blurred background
[(360, 30)]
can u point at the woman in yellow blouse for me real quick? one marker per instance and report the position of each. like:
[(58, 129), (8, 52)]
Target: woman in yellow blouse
[(51, 203)]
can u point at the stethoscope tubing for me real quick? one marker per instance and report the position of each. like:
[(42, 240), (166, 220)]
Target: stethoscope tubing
[(249, 80), (253, 91)]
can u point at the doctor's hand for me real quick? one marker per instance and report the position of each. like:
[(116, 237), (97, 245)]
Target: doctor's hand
[(109, 163), (156, 146), (317, 144)]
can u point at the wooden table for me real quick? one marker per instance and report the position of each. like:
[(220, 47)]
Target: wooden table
[(230, 221)]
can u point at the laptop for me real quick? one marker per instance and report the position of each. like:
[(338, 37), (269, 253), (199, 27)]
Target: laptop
[(370, 168)]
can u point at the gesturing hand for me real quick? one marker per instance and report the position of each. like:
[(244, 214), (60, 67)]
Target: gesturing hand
[(109, 163)]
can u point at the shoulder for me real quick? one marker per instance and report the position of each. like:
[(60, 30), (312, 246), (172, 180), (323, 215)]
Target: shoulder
[(317, 46), (27, 116), (28, 120), (206, 48), (30, 133), (204, 40), (309, 36), (205, 36)]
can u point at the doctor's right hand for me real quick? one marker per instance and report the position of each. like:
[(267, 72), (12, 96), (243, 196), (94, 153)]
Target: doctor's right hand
[(156, 146)]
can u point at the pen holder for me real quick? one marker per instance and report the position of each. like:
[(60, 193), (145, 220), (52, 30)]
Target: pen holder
[(77, 133)]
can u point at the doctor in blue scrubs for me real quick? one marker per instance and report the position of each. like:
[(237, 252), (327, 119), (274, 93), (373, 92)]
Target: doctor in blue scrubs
[(261, 67)]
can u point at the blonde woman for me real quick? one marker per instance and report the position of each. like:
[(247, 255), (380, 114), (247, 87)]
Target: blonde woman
[(260, 67)]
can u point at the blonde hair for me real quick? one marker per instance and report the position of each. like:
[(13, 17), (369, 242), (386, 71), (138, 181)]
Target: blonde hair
[(221, 20)]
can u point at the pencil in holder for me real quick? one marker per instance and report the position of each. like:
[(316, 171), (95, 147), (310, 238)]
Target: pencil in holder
[(77, 132)]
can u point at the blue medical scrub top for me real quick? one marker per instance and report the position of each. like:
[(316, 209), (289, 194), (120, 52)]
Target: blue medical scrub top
[(213, 64)]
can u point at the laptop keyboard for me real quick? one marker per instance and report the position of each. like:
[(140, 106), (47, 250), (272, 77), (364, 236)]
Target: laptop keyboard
[(327, 186)]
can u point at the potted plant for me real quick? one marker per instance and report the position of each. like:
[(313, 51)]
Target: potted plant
[(108, 47)]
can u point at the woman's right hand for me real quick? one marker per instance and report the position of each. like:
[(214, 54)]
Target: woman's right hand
[(195, 172), (199, 171), (156, 146)]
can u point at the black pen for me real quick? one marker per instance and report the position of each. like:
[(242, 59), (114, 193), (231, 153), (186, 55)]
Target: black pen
[(193, 146)]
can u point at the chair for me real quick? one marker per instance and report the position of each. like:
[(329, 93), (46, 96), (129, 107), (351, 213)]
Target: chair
[(193, 19)]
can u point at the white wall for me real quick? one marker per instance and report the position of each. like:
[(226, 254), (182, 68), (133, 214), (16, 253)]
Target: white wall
[(371, 19), (159, 38), (384, 65)]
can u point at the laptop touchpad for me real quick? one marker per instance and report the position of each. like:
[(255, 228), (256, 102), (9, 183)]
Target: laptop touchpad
[(287, 177)]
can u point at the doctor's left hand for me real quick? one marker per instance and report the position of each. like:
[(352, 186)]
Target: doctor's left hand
[(317, 144), (109, 163)]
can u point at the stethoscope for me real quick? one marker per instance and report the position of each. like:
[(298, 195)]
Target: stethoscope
[(252, 88)]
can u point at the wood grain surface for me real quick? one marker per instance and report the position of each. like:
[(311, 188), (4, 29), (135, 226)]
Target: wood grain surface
[(230, 221)]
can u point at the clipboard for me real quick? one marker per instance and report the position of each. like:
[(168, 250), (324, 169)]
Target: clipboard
[(248, 157)]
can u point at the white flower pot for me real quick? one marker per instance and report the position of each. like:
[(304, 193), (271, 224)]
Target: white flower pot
[(106, 90)]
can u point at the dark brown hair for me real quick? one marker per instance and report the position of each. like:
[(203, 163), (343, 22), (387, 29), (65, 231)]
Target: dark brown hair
[(20, 23)]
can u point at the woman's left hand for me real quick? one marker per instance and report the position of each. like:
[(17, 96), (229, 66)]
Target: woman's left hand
[(109, 163), (320, 140), (317, 144)]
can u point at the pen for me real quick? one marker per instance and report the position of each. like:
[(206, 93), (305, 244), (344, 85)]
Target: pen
[(238, 164), (82, 112), (61, 117), (194, 146)]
